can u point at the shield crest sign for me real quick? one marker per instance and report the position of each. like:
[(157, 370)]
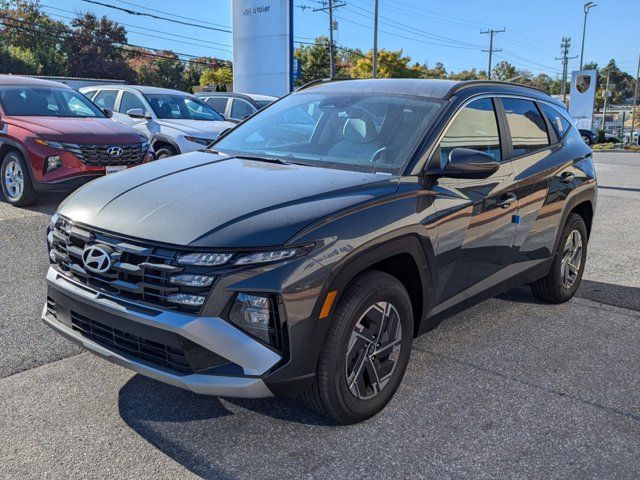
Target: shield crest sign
[(583, 82)]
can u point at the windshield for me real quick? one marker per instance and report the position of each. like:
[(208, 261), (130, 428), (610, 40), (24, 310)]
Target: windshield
[(46, 102), (181, 107), (354, 131)]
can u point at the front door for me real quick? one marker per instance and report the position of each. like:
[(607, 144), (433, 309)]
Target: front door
[(475, 226)]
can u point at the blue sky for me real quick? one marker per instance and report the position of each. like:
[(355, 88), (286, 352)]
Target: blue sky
[(428, 31)]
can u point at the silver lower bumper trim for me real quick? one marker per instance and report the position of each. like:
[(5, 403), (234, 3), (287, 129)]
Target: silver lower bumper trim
[(246, 387)]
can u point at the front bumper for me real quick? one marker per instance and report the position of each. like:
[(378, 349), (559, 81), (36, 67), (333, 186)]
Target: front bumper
[(213, 333)]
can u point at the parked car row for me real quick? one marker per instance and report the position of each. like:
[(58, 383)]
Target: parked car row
[(53, 138)]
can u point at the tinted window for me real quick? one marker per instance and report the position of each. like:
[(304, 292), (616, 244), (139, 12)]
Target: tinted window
[(218, 103), (526, 125), (475, 127), (181, 107), (106, 99), (47, 102), (346, 130), (241, 108), (130, 101), (558, 122)]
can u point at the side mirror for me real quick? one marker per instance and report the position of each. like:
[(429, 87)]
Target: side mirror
[(107, 112), (467, 163), (136, 113)]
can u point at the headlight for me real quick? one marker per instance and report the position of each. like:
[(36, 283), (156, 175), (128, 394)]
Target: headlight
[(255, 315), (270, 256), (201, 141), (48, 143), (204, 259)]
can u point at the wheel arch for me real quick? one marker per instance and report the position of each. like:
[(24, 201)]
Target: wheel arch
[(158, 141), (582, 203), (405, 258)]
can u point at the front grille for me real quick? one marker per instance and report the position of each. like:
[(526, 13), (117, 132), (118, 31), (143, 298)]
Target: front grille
[(114, 339), (98, 155), (138, 272)]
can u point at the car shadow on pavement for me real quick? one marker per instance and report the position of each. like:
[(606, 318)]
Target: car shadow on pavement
[(167, 416), (47, 203)]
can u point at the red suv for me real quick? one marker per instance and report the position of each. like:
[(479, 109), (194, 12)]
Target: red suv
[(52, 138)]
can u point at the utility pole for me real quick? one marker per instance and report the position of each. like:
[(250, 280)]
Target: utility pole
[(587, 6), (491, 33), (635, 102), (329, 6), (604, 108), (564, 49), (375, 39)]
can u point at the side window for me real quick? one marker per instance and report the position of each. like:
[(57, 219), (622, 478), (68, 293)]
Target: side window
[(558, 122), (130, 101), (219, 104), (475, 127), (106, 99), (89, 94), (241, 108), (526, 126)]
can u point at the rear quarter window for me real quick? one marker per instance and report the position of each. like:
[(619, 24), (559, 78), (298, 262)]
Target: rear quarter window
[(559, 123)]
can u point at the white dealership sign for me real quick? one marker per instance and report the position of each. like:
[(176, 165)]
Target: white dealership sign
[(262, 46), (582, 97)]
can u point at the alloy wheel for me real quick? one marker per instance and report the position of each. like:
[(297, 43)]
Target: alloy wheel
[(373, 350), (14, 179), (571, 259)]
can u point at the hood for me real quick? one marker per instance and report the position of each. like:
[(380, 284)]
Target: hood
[(198, 128), (78, 130), (207, 200)]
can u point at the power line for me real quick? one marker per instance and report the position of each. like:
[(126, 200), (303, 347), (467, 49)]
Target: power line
[(173, 14), (158, 17), (157, 36), (48, 7), (133, 49)]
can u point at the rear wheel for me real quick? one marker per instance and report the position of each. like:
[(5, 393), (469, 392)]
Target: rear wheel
[(17, 185), (562, 282), (587, 139), (366, 350)]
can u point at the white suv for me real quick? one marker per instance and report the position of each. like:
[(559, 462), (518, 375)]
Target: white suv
[(174, 122)]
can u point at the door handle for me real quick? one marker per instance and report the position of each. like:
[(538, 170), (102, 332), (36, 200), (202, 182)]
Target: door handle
[(506, 200), (567, 177)]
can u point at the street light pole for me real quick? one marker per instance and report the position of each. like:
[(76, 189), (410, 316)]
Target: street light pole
[(587, 6), (604, 108), (635, 102), (375, 39)]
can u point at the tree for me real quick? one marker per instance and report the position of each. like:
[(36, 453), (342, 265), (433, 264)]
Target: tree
[(391, 64), (18, 60), (314, 59), (503, 71), (220, 77), (30, 29), (95, 48), (468, 75)]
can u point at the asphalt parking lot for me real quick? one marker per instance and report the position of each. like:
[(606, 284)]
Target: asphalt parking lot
[(511, 388)]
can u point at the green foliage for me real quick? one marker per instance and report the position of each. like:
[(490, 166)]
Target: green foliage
[(391, 64), (220, 77), (601, 137), (19, 61)]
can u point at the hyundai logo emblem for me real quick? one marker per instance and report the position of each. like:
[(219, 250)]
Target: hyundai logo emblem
[(97, 258), (114, 151)]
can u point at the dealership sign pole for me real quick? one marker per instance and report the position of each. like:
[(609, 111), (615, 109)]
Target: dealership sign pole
[(263, 46)]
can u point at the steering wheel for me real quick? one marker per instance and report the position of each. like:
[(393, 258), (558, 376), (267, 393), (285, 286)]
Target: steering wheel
[(378, 153)]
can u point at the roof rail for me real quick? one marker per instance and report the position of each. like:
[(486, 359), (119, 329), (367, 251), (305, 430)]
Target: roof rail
[(473, 83), (311, 83)]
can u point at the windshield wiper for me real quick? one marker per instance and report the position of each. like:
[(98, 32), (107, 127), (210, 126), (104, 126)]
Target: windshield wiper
[(260, 158)]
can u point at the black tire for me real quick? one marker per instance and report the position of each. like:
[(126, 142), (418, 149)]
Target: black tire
[(552, 288), (165, 152), (587, 139), (28, 196), (329, 395)]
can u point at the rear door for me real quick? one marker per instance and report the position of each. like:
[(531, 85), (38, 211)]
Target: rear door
[(475, 232), (545, 176)]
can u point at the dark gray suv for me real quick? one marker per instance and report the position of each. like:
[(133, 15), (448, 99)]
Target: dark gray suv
[(304, 250)]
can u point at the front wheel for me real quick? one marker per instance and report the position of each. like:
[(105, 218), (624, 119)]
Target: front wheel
[(165, 152), (366, 350), (17, 186), (563, 280), (586, 139)]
